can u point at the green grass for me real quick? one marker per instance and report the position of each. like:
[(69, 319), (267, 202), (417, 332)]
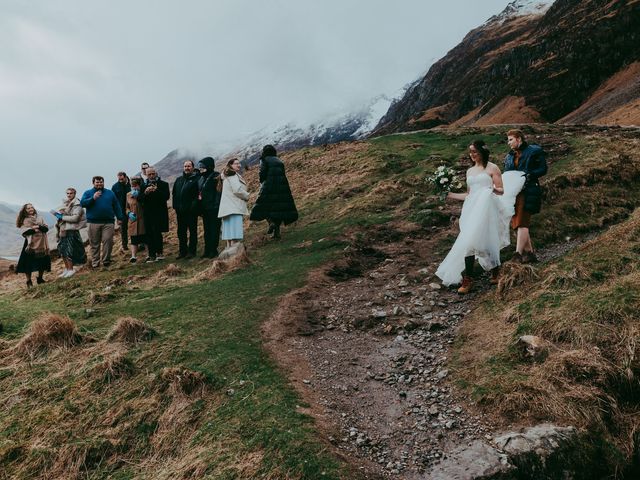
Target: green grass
[(59, 405), (210, 327)]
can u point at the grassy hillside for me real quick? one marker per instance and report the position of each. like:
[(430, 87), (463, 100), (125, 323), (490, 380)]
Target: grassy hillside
[(195, 395)]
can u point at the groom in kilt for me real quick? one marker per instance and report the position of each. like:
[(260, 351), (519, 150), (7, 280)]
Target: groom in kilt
[(529, 159)]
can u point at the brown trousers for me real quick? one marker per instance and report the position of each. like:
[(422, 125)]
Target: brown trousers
[(100, 238)]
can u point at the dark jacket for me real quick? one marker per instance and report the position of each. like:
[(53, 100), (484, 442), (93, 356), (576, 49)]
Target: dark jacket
[(185, 193), (274, 201), (155, 204), (102, 210), (534, 164), (209, 194), (120, 190)]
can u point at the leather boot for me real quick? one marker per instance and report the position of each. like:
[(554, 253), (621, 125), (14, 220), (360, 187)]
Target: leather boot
[(466, 285), (495, 276)]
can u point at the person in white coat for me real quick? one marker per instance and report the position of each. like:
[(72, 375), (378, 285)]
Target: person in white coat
[(233, 204)]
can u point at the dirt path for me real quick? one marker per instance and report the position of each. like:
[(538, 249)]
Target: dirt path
[(367, 343), (368, 351)]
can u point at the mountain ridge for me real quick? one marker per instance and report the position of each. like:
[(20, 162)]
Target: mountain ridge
[(543, 65)]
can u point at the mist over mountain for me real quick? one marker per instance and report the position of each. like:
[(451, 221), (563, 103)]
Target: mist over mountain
[(568, 61), (340, 127)]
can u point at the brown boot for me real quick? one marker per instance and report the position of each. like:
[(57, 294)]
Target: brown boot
[(529, 257), (495, 276), (466, 285)]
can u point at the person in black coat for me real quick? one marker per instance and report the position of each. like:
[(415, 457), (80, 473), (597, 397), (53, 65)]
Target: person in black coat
[(120, 189), (209, 199), (275, 202), (154, 199), (185, 203)]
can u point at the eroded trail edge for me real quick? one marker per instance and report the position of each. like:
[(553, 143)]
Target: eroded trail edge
[(366, 342)]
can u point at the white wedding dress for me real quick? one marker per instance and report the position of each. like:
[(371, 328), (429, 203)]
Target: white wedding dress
[(484, 225)]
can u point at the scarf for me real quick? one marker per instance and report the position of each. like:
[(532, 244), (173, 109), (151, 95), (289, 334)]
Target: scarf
[(37, 242)]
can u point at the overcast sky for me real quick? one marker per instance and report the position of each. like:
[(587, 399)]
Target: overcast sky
[(90, 87)]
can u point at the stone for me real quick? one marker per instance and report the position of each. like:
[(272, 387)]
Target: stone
[(543, 439), (474, 462), (532, 347), (435, 286), (231, 251)]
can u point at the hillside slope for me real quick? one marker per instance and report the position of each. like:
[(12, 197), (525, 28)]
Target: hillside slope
[(525, 66), (192, 392)]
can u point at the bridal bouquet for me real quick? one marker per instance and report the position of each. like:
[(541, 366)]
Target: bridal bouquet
[(444, 180)]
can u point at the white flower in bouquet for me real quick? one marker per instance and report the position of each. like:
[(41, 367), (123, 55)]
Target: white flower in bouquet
[(443, 180)]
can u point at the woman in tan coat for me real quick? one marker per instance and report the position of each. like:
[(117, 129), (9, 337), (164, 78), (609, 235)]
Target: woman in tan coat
[(135, 216), (34, 256)]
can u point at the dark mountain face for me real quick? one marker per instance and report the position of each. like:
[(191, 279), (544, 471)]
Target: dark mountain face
[(525, 68)]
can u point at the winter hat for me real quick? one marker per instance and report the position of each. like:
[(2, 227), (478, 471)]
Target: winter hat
[(208, 163), (268, 151)]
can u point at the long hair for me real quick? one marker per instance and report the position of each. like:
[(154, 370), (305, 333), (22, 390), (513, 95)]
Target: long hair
[(482, 149), (228, 171), (22, 214)]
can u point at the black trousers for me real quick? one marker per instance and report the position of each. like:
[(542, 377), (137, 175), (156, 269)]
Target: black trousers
[(187, 222), (124, 233), (212, 225), (153, 239)]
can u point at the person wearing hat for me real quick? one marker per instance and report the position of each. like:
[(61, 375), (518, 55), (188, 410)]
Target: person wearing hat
[(274, 203), (209, 203)]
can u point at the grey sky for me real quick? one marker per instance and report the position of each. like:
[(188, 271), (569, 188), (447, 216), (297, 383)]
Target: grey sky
[(93, 87)]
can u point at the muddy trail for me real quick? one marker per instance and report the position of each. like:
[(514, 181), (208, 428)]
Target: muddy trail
[(367, 343)]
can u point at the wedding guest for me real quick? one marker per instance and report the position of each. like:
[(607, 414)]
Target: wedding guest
[(34, 256), (102, 210), (233, 203), (71, 220), (135, 217), (531, 160), (274, 203), (121, 188), (156, 214), (143, 172), (209, 199), (185, 203)]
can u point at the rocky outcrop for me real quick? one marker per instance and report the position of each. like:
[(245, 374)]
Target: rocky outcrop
[(543, 452), (523, 68)]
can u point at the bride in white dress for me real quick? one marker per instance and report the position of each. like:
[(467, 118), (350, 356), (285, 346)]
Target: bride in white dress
[(484, 222)]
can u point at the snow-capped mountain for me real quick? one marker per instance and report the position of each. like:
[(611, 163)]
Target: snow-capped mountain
[(537, 61), (332, 129), (521, 8)]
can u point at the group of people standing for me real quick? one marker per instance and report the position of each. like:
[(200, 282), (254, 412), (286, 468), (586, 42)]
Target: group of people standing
[(139, 206), (495, 201)]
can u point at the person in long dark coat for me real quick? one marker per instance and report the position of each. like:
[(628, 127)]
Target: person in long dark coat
[(275, 202), (156, 213), (185, 202), (120, 189), (209, 199)]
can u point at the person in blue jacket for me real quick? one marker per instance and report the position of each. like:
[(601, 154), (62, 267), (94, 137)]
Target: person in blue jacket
[(103, 209), (529, 159)]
